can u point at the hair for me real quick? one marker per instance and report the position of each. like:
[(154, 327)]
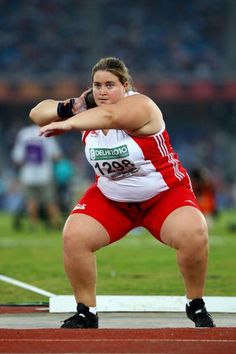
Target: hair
[(116, 67)]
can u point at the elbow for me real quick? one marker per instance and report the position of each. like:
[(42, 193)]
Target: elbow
[(34, 117), (44, 112), (38, 117)]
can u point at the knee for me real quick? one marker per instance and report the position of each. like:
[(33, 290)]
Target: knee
[(76, 240), (200, 237), (71, 240), (195, 241)]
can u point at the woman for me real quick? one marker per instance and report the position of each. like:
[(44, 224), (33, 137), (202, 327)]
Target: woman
[(140, 182)]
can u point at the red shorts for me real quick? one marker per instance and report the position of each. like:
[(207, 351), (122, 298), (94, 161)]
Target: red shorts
[(118, 218)]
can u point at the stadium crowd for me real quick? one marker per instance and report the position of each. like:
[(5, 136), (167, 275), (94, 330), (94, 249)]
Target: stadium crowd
[(54, 39)]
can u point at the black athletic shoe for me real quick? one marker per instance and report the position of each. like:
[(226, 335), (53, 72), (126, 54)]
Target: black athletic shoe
[(196, 311), (81, 319)]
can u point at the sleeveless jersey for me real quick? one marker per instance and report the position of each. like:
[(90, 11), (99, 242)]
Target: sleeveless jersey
[(131, 168)]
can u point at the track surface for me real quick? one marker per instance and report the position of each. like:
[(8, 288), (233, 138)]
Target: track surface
[(34, 330), (174, 341)]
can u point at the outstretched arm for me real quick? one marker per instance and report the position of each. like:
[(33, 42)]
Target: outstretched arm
[(46, 112), (137, 114)]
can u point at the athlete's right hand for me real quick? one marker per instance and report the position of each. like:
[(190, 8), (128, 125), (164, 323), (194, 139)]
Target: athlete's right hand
[(55, 128)]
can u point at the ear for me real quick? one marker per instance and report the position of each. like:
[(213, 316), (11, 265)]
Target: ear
[(126, 86)]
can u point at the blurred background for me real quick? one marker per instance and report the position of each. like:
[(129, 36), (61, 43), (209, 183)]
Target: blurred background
[(181, 53)]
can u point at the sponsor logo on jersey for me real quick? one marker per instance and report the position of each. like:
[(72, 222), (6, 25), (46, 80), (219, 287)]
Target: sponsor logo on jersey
[(108, 154)]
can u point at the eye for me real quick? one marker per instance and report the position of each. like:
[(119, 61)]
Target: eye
[(110, 85), (96, 85)]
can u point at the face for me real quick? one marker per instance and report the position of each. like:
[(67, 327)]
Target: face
[(107, 88)]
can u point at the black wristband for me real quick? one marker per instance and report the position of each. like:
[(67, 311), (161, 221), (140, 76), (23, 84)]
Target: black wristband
[(64, 110)]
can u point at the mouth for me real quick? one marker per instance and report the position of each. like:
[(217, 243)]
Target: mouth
[(103, 100)]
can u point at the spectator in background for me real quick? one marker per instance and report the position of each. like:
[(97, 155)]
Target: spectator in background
[(63, 171), (34, 156), (204, 190)]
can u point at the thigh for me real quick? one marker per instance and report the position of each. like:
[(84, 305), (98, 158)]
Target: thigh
[(31, 193), (82, 230), (106, 212), (44, 194), (47, 194), (185, 228), (170, 200)]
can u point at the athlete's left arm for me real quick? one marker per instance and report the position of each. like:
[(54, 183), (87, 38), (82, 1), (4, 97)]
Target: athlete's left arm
[(136, 113)]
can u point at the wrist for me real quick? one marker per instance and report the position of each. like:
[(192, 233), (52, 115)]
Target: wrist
[(65, 109)]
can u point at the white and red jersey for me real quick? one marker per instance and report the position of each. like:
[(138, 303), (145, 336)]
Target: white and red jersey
[(131, 168)]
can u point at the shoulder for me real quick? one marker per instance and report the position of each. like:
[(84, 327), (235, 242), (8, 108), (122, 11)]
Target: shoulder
[(140, 99), (136, 102), (132, 95), (147, 107)]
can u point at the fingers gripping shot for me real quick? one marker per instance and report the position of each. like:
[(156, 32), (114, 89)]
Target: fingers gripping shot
[(139, 182)]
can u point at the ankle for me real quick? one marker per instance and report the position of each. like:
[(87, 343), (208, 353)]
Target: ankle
[(82, 308), (190, 302), (93, 310)]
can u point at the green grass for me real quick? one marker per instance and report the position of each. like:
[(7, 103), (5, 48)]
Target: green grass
[(136, 265)]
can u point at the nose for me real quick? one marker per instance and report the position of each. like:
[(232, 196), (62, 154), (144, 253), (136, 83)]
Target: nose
[(103, 90)]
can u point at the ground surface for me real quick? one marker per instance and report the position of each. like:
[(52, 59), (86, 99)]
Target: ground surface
[(35, 330)]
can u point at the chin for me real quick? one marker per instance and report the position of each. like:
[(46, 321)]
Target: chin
[(104, 102)]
